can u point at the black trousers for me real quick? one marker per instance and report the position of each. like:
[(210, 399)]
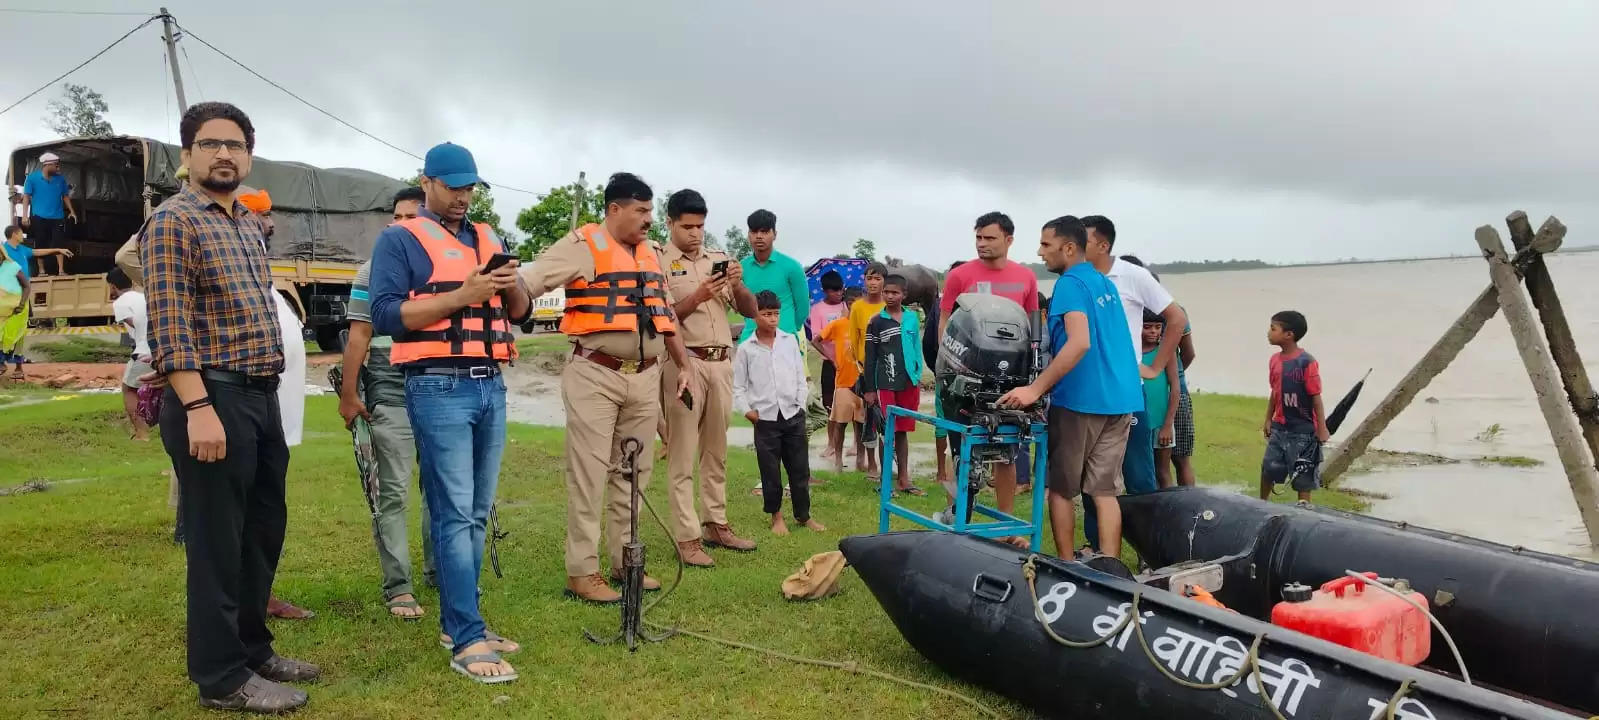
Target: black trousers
[(233, 520), (829, 375), (779, 445)]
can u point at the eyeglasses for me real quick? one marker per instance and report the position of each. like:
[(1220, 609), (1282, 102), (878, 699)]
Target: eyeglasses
[(211, 145)]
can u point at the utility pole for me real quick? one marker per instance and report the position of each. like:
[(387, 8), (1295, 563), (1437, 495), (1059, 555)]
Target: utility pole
[(577, 201), (172, 59)]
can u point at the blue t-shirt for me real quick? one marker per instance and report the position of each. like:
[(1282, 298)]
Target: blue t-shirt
[(47, 197), (1105, 381), (23, 255)]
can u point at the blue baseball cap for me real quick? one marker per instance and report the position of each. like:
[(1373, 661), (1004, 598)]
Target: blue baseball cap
[(452, 165)]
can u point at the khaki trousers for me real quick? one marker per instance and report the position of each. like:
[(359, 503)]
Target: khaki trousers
[(697, 434), (604, 407)]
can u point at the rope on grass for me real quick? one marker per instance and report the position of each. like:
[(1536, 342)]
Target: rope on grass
[(849, 666)]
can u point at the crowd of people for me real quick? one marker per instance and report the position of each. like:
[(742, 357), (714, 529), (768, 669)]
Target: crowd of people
[(431, 318)]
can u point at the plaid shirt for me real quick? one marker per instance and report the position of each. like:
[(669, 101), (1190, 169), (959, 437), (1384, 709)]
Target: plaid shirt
[(208, 285)]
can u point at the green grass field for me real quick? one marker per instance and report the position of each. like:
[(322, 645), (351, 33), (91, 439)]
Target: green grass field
[(92, 616)]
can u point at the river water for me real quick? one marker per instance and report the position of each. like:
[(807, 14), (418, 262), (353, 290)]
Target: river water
[(1384, 316)]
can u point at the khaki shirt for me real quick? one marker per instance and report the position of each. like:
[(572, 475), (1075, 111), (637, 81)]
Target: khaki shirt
[(127, 258), (569, 259), (707, 326)]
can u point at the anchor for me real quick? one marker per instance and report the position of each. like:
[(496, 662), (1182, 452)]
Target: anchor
[(632, 629)]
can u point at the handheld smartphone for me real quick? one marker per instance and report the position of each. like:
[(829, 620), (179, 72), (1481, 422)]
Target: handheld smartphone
[(718, 268), (687, 398), (498, 261)]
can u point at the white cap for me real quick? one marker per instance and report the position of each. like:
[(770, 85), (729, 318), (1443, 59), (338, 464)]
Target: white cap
[(48, 158)]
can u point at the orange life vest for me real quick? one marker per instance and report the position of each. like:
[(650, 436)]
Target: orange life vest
[(480, 331), (627, 283)]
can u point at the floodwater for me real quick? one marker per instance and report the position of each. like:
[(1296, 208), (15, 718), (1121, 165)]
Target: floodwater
[(1384, 316)]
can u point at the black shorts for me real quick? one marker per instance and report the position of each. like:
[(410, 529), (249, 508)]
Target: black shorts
[(1291, 455), (47, 232)]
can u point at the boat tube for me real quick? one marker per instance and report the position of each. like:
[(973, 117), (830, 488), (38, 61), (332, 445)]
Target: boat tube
[(1522, 620), (966, 604)]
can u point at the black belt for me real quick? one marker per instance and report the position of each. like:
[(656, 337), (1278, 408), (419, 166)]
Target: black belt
[(238, 379), (479, 372)]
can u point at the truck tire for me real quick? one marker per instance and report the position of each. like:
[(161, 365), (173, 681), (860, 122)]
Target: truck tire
[(329, 338)]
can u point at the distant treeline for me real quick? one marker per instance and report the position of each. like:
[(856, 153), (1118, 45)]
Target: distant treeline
[(1182, 266)]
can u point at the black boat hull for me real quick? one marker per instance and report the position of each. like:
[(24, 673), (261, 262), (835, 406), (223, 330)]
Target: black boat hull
[(963, 603), (1524, 621)]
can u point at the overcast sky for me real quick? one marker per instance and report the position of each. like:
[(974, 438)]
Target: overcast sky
[(1217, 130)]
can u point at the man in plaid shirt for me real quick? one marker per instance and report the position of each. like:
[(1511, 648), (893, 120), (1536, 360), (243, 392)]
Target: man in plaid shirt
[(214, 335)]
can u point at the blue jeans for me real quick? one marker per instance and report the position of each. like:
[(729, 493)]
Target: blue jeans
[(459, 425), (1138, 471)]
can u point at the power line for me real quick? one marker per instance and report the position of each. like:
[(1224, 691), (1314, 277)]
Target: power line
[(79, 66), (190, 34), (31, 11), (197, 89)]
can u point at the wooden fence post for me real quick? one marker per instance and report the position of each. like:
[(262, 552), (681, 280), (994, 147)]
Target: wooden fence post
[(1561, 344), (1563, 430)]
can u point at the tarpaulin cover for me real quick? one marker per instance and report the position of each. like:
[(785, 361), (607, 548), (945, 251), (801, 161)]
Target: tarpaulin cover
[(853, 270), (321, 214)]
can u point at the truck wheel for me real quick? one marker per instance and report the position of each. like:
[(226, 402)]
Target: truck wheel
[(329, 338)]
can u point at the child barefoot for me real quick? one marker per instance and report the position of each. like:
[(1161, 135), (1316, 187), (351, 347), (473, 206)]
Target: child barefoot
[(769, 386)]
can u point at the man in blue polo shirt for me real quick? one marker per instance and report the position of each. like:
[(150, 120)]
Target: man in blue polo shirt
[(451, 320), (46, 203), (1093, 387)]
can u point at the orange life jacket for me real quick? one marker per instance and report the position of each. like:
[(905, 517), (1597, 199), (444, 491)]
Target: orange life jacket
[(480, 331), (627, 283)]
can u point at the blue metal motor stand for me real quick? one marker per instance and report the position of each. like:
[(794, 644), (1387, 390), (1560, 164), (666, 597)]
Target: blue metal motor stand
[(972, 436)]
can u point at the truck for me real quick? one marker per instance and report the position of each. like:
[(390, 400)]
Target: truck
[(327, 220)]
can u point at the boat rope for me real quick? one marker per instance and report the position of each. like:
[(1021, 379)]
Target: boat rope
[(1030, 572), (1250, 667), (849, 666), (1399, 695)]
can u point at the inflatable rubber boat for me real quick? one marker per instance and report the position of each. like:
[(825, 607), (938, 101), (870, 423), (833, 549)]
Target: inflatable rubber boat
[(1071, 641), (1524, 621)]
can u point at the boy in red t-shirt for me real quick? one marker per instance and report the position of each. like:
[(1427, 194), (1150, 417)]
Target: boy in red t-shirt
[(1296, 423)]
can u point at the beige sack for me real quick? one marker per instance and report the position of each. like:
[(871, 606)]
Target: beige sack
[(818, 579)]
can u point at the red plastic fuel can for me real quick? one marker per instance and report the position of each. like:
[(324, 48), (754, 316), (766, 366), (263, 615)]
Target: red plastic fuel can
[(1346, 612)]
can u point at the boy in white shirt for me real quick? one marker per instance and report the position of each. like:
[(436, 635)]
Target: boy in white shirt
[(128, 308), (769, 388)]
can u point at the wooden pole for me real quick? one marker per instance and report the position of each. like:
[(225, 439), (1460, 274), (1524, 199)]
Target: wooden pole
[(1438, 357), (1433, 362), (1563, 430), (1561, 344)]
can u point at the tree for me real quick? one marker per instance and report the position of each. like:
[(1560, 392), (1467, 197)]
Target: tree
[(550, 218), (738, 243), (865, 249), (79, 112), (711, 243), (659, 233)]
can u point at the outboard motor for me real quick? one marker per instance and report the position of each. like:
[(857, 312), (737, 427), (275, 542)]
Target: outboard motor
[(989, 348)]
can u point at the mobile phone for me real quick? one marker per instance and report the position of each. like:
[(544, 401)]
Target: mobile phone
[(719, 268), (498, 261), (687, 398)]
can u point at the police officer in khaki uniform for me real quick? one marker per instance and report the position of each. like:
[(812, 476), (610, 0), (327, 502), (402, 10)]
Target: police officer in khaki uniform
[(619, 316), (704, 283)]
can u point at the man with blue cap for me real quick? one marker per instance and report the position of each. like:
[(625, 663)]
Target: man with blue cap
[(443, 287)]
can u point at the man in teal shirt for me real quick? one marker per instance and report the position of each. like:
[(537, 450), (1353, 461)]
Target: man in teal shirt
[(768, 269)]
